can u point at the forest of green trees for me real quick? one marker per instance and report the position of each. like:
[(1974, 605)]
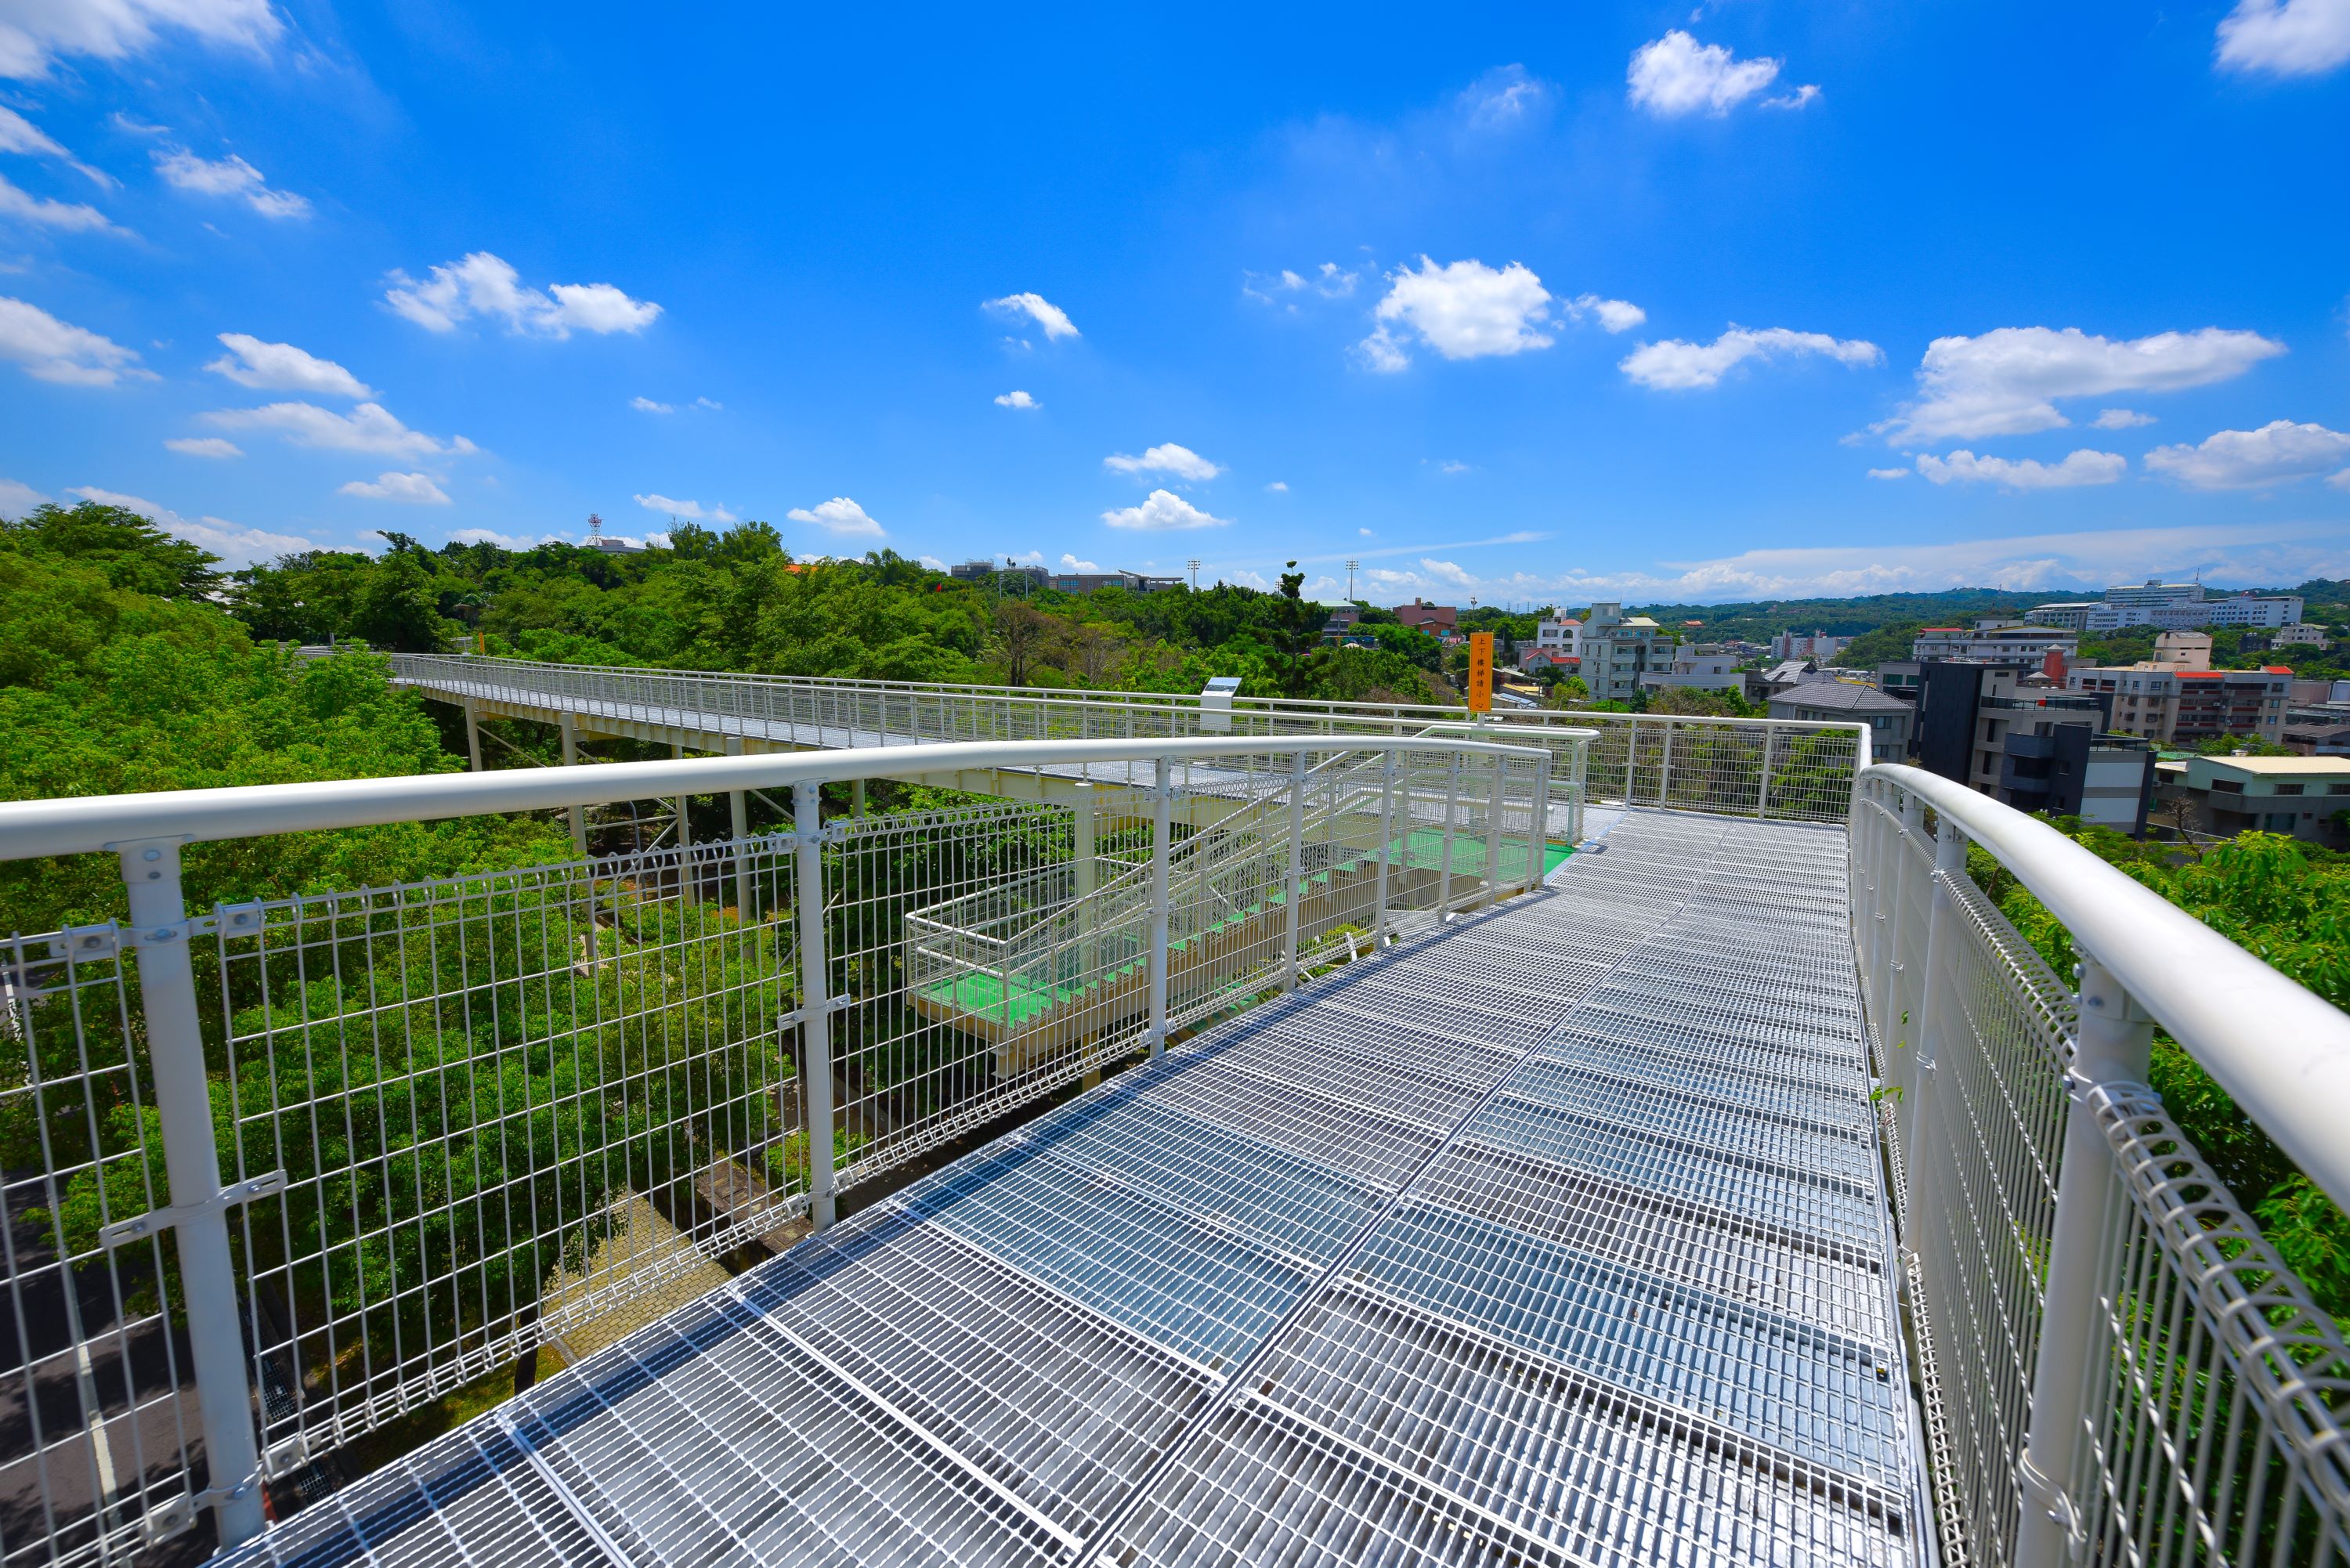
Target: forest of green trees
[(129, 662)]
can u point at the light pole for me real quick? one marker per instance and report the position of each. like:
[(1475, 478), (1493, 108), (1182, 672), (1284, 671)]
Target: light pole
[(1194, 564), (1352, 567)]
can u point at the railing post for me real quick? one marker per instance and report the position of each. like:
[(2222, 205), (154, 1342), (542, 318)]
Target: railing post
[(1444, 856), (1937, 1011), (1632, 760), (738, 813), (2114, 1042), (1763, 796), (684, 821), (1387, 845), (1162, 841), (816, 1001), (1084, 851), (571, 759), (175, 1046), (1295, 879), (1538, 824), (1665, 774), (1493, 836)]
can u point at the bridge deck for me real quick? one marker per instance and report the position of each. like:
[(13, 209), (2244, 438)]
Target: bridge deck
[(1556, 1237)]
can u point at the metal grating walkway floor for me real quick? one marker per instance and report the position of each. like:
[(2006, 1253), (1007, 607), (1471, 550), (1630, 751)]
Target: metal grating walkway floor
[(1552, 1238)]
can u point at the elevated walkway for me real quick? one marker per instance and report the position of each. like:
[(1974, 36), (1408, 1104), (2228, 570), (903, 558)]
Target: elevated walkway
[(1554, 1236)]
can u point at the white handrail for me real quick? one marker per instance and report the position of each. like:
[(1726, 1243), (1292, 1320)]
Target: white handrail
[(2280, 1051), (88, 823)]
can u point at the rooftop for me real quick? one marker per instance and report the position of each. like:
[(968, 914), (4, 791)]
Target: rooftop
[(1842, 696)]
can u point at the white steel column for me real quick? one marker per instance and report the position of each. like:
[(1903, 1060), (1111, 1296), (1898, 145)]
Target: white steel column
[(1494, 835), (473, 734), (1665, 775), (1294, 881), (1162, 841), (684, 823), (1444, 857), (175, 1046), (1386, 844), (1937, 1016), (816, 1001), (738, 813), (1538, 825), (1763, 796), (2115, 1043), (570, 760)]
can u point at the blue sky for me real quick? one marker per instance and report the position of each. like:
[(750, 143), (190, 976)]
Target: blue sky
[(1755, 300)]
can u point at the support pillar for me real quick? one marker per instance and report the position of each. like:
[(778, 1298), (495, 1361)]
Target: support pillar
[(815, 1002), (571, 759), (1162, 844), (1293, 882), (473, 734)]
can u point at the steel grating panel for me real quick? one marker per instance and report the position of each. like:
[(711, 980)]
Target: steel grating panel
[(1552, 1235)]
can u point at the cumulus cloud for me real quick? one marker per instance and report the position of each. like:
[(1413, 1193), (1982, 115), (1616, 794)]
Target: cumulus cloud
[(16, 497), (31, 36), (1678, 365), (838, 515), (415, 489), (2120, 419), (204, 446), (2083, 467), (2277, 453), (1888, 473), (1615, 315), (1465, 310), (1502, 98), (1071, 564), (1163, 510), (487, 286), (1278, 487), (2007, 382), (53, 350), (233, 543), (2294, 38), (1016, 399), (73, 217), (283, 368), (230, 176), (1037, 309), (692, 511), (711, 403), (18, 134), (647, 406), (370, 427), (1803, 97), (1168, 458), (1676, 75), (1331, 281)]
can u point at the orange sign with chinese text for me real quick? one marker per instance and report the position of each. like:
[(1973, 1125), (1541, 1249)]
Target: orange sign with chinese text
[(1481, 673)]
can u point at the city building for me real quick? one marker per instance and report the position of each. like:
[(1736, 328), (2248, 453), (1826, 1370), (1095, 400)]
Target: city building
[(1899, 678), (2033, 747), (2005, 642), (1086, 582), (2179, 707), (1613, 650), (2317, 737), (1533, 659), (2179, 605), (2299, 635), (2183, 650), (1816, 645), (1702, 666), (1424, 617), (1849, 702), (2071, 614), (2303, 796)]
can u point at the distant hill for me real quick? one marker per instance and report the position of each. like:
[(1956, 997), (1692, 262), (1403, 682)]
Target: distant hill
[(1852, 616)]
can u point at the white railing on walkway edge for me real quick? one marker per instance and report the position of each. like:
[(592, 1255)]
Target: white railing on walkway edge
[(402, 1136), (2116, 1365), (1786, 770)]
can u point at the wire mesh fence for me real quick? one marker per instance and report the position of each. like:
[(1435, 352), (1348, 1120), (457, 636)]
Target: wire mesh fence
[(2208, 1423)]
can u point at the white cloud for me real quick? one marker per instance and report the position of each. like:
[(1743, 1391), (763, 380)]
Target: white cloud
[(647, 406), (1452, 465), (1168, 458), (2120, 420), (415, 489), (2340, 481), (1016, 399), (2276, 453), (18, 134), (711, 403), (933, 562), (1466, 310), (504, 540), (1803, 97), (1163, 510), (485, 286), (1071, 564), (1366, 533), (1676, 75), (1678, 365), (2007, 382), (692, 511), (1043, 312), (2083, 467), (1279, 487), (229, 176), (2295, 38), (2227, 553), (367, 428), (204, 446), (283, 368), (32, 35), (74, 217), (53, 350), (1615, 315), (838, 515), (1888, 473), (16, 498), (233, 543), (1501, 98)]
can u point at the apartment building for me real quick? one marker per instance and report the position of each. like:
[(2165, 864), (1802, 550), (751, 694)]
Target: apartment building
[(1998, 729), (1434, 619), (2302, 797), (1849, 702), (1704, 667), (2172, 706), (1816, 645), (2001, 642), (2178, 606), (1612, 649), (2299, 636)]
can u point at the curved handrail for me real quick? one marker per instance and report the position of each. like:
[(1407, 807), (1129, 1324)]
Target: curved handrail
[(2280, 1050), (86, 824)]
